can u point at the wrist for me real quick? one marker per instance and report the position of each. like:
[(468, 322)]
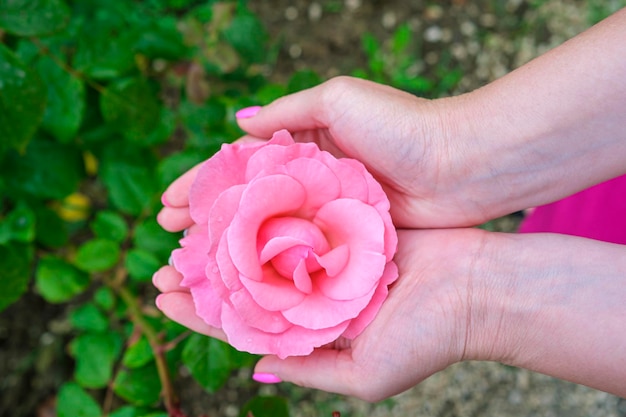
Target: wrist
[(552, 304)]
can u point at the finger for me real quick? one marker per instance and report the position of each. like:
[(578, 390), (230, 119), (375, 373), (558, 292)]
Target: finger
[(179, 307), (168, 279), (325, 369), (177, 194), (174, 219)]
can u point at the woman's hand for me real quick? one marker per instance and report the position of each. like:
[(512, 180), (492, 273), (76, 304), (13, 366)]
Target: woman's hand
[(419, 330), (548, 303)]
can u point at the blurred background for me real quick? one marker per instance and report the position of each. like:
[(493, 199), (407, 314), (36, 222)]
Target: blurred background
[(103, 103)]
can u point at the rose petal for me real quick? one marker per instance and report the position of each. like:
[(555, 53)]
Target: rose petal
[(274, 292), (225, 169), (255, 316), (223, 210), (281, 137), (277, 245), (274, 155), (296, 228), (377, 198), (264, 198), (352, 222), (353, 183), (391, 236), (191, 261), (224, 270), (296, 341), (317, 311), (366, 316), (301, 278), (335, 261), (320, 183)]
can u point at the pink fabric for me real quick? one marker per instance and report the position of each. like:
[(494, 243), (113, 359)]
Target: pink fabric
[(598, 213)]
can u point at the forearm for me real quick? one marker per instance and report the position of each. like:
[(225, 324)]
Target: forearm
[(552, 127), (553, 304)]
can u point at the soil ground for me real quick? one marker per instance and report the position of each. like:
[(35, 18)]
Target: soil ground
[(483, 38)]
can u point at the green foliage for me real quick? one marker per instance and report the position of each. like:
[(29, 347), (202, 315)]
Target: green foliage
[(22, 101), (74, 401), (398, 62), (211, 361), (102, 104), (265, 407)]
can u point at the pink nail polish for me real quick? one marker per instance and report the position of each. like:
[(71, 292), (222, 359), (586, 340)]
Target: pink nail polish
[(247, 112), (265, 378)]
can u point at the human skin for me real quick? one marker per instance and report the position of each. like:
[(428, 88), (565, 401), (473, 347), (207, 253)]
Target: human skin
[(549, 303), (546, 130)]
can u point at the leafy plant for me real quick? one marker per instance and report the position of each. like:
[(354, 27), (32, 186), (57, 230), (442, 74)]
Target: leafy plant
[(398, 62), (102, 104)]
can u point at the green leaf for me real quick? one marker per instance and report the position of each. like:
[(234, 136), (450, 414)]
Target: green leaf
[(22, 101), (269, 406), (47, 170), (163, 131), (401, 38), (248, 36), (132, 107), (160, 38), (269, 93), (15, 264), (88, 317), (95, 355), (302, 80), (139, 386), (104, 297), (51, 230), (110, 225), (200, 123), (128, 174), (131, 411), (104, 43), (57, 281), (141, 264), (18, 225), (33, 17), (73, 401), (131, 187), (97, 255), (138, 354), (177, 164), (208, 360), (151, 237), (66, 100)]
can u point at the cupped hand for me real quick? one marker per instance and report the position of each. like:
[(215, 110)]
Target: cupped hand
[(420, 329), (423, 158)]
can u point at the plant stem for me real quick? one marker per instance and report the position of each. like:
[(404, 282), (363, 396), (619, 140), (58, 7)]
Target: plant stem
[(134, 312)]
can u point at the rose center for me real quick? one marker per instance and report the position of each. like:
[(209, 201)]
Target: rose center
[(287, 242)]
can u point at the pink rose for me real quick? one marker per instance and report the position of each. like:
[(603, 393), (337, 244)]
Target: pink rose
[(294, 250)]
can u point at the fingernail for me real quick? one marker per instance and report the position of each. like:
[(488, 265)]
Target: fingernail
[(247, 112), (164, 200), (265, 378)]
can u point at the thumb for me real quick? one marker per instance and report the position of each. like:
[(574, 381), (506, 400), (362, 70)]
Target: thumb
[(324, 369)]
